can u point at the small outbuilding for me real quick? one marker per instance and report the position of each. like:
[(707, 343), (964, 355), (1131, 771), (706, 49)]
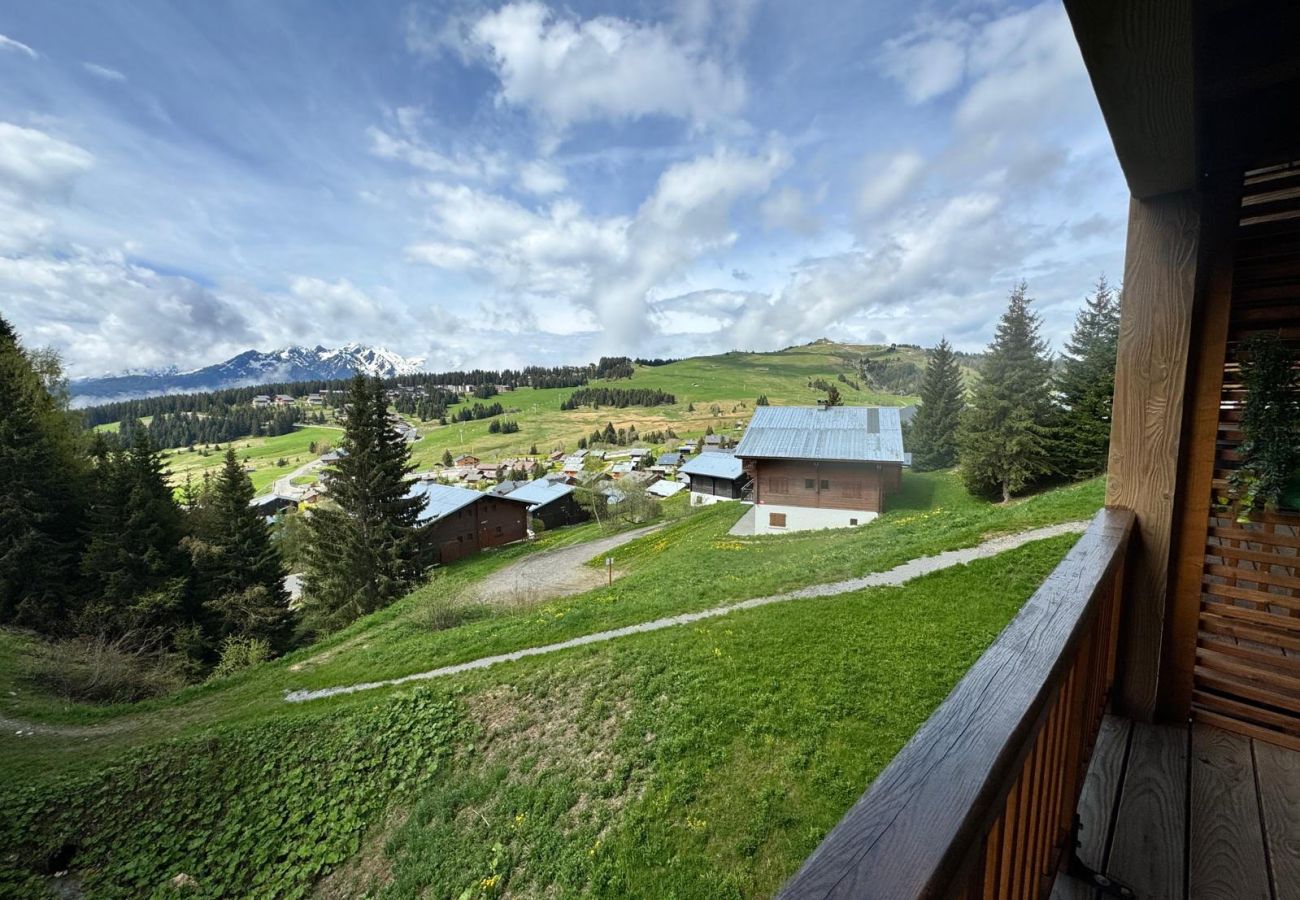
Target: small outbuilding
[(715, 476), (554, 504)]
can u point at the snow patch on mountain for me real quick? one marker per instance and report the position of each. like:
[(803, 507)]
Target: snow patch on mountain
[(249, 368)]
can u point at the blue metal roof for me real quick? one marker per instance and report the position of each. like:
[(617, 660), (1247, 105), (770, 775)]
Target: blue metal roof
[(714, 465), (443, 499), (540, 492), (840, 433)]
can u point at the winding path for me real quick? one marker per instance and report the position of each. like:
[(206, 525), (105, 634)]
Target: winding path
[(895, 576), (554, 573)]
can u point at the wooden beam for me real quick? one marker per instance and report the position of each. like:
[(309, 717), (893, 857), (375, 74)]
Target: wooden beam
[(1220, 209), (1147, 419), (1139, 56)]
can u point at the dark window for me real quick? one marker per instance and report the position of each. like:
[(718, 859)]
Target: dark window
[(460, 539), (498, 529), (809, 483), (826, 485), (776, 520), (853, 521)]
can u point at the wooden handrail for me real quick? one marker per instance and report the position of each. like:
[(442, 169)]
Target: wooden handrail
[(980, 800)]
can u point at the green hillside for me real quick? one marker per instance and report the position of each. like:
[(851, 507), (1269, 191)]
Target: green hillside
[(728, 746), (731, 382)]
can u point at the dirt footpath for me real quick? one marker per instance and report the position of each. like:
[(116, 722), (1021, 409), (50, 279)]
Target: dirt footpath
[(555, 573)]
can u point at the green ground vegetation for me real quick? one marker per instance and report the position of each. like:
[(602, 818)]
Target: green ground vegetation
[(702, 761), (688, 565), (260, 452)]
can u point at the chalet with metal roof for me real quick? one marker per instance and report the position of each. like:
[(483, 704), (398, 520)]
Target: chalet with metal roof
[(459, 522), (821, 467), (715, 476), (554, 504)]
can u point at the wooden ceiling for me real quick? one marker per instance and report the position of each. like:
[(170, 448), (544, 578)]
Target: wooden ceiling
[(1193, 88)]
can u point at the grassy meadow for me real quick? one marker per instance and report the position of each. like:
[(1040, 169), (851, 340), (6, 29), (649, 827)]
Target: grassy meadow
[(703, 761), (260, 452), (731, 381)]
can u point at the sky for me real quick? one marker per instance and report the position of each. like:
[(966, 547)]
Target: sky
[(488, 184)]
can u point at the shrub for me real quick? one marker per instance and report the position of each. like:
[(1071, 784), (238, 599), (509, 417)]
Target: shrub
[(239, 653), (105, 670)]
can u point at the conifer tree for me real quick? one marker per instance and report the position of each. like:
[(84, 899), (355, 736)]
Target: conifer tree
[(1003, 442), (365, 548), (1084, 386), (134, 564), (938, 420), (243, 574), (41, 491)]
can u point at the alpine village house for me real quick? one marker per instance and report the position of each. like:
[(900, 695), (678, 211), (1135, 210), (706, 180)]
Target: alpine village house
[(1136, 727), (820, 467), (460, 522)]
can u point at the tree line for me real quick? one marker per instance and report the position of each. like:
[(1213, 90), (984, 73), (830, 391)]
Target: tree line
[(619, 398), (100, 555), (208, 402), (168, 430), (1028, 418)]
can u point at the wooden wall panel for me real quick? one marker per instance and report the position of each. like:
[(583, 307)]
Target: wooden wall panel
[(850, 485), (1244, 653), (1150, 382)]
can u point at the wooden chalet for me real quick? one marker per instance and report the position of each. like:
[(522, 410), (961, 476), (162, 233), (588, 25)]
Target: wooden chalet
[(1136, 727), (552, 503), (459, 522), (715, 476), (821, 467)]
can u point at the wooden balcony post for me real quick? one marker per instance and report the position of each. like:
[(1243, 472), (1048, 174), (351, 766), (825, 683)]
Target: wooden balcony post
[(1150, 387)]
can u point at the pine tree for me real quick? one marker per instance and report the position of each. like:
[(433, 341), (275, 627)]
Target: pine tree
[(446, 458), (42, 487), (1003, 442), (134, 564), (365, 548), (1084, 386), (938, 420), (833, 397), (242, 573)]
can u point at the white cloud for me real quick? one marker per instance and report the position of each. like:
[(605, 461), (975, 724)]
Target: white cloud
[(928, 61), (108, 314), (103, 72), (609, 266), (569, 71), (36, 161), (541, 178), (8, 43), (788, 208), (888, 180)]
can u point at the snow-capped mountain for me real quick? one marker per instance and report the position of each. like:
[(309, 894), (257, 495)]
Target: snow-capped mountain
[(249, 368)]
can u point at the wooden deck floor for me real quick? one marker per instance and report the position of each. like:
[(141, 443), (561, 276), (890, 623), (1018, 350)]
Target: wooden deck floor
[(1190, 811)]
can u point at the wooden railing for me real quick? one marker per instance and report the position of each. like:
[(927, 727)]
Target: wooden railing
[(981, 800)]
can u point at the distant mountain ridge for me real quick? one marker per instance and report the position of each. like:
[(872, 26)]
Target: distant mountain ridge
[(252, 367)]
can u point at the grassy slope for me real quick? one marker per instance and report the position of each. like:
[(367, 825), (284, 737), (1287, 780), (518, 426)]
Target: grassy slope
[(728, 380), (690, 565), (703, 761), (260, 452)]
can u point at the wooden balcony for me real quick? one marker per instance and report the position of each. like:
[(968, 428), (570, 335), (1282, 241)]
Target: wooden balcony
[(982, 801), (1189, 811)]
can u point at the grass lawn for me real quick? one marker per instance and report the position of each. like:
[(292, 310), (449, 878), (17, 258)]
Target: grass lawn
[(260, 452), (701, 761)]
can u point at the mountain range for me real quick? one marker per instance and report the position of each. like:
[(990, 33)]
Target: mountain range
[(251, 367)]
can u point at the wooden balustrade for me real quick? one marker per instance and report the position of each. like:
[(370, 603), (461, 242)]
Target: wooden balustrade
[(980, 801)]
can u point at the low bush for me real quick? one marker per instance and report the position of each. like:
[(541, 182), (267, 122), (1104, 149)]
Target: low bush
[(104, 670), (240, 653)]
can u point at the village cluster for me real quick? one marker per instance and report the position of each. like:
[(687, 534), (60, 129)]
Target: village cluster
[(797, 468)]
